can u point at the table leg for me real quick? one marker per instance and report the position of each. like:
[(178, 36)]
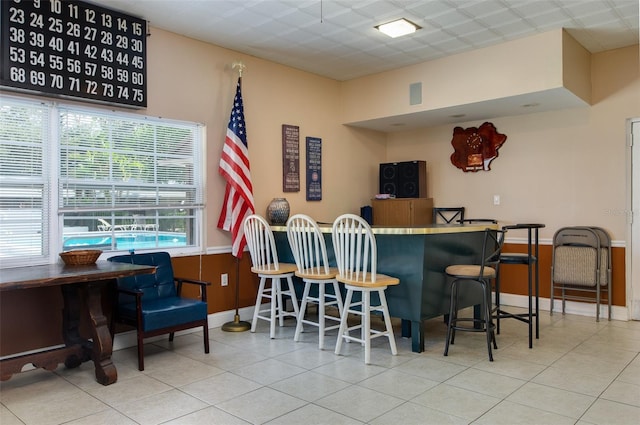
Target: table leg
[(102, 346), (71, 326)]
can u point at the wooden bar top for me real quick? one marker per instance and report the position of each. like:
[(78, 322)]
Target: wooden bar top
[(62, 274), (430, 229)]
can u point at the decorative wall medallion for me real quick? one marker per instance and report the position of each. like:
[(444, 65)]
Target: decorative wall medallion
[(475, 147)]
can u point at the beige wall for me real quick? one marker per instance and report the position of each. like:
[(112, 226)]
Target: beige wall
[(191, 80), (560, 168), (527, 65)]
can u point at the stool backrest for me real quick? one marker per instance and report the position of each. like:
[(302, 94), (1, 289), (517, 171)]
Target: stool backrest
[(354, 245), (447, 215), (491, 248), (261, 243), (307, 245)]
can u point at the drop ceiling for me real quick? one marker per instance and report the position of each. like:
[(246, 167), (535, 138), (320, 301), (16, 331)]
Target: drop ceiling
[(337, 39)]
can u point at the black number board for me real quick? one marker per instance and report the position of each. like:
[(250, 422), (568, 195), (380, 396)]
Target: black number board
[(74, 49)]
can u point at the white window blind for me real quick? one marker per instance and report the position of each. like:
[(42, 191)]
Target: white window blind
[(111, 162), (24, 180), (90, 178), (128, 182)]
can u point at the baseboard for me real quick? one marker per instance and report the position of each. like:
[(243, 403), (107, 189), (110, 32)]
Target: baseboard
[(571, 307)]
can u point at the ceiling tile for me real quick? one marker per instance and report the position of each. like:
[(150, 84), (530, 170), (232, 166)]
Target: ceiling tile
[(309, 34)]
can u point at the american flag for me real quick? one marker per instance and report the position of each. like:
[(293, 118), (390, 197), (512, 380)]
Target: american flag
[(234, 167)]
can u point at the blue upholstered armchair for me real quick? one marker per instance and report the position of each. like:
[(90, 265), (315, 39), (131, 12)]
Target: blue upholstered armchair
[(152, 303)]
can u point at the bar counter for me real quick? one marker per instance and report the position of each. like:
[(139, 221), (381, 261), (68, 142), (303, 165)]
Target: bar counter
[(417, 256)]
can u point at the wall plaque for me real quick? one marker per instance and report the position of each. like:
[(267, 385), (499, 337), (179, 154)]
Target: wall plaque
[(290, 158), (73, 49), (314, 169), (475, 147)]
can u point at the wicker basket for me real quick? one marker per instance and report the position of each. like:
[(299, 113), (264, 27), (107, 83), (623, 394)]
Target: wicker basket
[(80, 257)]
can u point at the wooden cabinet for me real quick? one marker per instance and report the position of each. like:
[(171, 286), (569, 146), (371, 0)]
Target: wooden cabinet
[(402, 212)]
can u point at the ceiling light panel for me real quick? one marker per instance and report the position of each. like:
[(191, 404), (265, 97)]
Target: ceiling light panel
[(398, 28)]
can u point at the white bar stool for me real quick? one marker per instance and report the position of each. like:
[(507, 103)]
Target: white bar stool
[(264, 258), (354, 245), (310, 252)]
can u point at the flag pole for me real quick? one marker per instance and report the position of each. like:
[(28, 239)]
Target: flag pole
[(237, 325)]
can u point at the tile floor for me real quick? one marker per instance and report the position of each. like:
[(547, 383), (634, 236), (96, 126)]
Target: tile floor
[(579, 372)]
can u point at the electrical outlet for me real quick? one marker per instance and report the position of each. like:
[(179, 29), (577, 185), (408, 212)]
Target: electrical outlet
[(224, 279)]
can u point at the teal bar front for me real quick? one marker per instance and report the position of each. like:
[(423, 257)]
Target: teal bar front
[(417, 256)]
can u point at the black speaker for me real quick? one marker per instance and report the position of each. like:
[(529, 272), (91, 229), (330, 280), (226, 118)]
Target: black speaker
[(412, 181), (404, 179), (389, 178)]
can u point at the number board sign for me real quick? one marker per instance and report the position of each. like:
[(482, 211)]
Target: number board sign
[(73, 49)]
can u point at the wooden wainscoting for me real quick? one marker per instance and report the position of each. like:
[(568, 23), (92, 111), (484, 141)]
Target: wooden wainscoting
[(210, 267), (513, 278)]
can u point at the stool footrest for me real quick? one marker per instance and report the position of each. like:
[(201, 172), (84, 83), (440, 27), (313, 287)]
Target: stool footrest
[(523, 317), (480, 322)]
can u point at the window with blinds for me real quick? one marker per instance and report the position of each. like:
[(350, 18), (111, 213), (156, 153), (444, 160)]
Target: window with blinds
[(24, 180), (119, 182)]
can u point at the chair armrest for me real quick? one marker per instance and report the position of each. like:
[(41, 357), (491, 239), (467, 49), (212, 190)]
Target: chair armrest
[(138, 300), (194, 281), (203, 286), (134, 293), (130, 291)]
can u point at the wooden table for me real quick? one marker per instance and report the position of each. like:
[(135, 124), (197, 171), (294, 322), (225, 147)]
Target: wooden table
[(80, 286), (418, 256)]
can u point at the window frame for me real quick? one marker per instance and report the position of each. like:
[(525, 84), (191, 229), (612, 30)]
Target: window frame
[(54, 211)]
